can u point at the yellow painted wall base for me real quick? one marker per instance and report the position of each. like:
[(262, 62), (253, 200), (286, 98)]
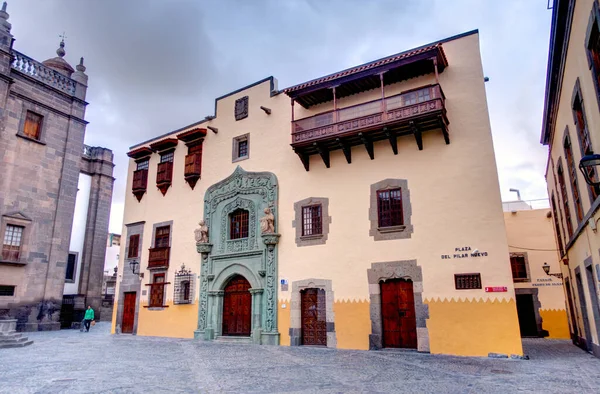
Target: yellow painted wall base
[(555, 322), (352, 324), (283, 323), (176, 321), (114, 318), (473, 328)]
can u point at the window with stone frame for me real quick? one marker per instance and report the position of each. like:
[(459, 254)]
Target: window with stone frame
[(573, 178), (592, 45), (556, 226), (240, 148), (134, 245), (467, 281), (184, 286), (157, 291), (11, 245), (162, 237), (238, 224), (7, 291), (565, 198), (312, 220), (33, 125), (519, 267), (71, 266), (389, 207)]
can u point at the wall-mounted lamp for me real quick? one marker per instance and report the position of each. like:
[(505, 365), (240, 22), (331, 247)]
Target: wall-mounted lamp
[(135, 268), (588, 163), (546, 268)]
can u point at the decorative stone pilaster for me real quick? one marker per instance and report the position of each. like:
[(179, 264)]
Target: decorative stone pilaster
[(270, 336), (256, 314), (204, 249)]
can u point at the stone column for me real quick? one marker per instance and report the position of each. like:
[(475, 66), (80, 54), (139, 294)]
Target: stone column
[(256, 314), (204, 249), (218, 312), (270, 335)]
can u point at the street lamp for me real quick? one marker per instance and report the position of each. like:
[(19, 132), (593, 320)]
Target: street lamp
[(546, 268), (134, 265), (586, 165)]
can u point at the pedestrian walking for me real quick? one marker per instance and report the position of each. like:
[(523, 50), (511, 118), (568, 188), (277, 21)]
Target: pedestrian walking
[(88, 318)]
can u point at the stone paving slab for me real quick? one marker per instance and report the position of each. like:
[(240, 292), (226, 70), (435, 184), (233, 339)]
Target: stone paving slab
[(69, 361)]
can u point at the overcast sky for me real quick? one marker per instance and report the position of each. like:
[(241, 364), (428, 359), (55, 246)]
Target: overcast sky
[(156, 66)]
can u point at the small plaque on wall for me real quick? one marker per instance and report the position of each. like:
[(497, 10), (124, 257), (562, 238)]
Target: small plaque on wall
[(144, 292), (284, 287), (241, 108), (496, 289)]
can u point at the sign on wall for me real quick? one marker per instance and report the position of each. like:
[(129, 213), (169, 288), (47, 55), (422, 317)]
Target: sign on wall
[(463, 252)]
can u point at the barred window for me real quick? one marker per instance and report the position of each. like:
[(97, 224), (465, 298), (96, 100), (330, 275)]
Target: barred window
[(143, 165), (184, 286), (243, 148), (167, 157), (467, 281), (11, 247), (238, 224), (7, 291), (312, 220), (389, 207)]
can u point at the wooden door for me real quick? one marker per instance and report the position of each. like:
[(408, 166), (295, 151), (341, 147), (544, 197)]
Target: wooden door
[(314, 325), (237, 307), (128, 313), (399, 322), (526, 314)]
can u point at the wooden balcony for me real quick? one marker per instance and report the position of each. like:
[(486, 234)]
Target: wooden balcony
[(159, 258), (140, 183), (164, 176), (411, 112), (193, 168)]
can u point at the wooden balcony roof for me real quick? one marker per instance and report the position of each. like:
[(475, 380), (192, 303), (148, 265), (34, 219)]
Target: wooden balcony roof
[(164, 144), (139, 152), (191, 135), (398, 67)]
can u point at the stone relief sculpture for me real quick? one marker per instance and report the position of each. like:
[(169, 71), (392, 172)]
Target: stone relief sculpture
[(201, 233), (267, 222)]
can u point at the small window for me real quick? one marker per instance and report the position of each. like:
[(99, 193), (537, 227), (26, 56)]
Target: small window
[(161, 239), (241, 148), (312, 220), (167, 157), (389, 207), (7, 291), (518, 264), (143, 165), (11, 247), (71, 263), (593, 47), (238, 224), (423, 95), (134, 245), (467, 281), (33, 125)]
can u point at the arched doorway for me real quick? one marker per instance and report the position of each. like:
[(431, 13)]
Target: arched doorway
[(237, 307), (314, 323), (399, 322)]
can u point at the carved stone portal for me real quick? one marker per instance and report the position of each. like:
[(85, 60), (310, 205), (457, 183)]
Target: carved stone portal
[(225, 258)]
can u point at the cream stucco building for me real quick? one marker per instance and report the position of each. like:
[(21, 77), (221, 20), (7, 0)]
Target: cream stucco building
[(571, 129), (388, 226)]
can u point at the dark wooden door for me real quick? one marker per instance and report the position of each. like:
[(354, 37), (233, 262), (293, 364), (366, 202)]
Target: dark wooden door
[(526, 312), (128, 313), (399, 322), (237, 307), (314, 325)]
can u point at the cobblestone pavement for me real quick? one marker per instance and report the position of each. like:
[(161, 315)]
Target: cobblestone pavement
[(73, 362)]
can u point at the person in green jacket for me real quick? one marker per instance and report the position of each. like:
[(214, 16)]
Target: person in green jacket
[(87, 319)]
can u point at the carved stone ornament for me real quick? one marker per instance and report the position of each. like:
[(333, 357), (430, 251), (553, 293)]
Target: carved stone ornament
[(201, 233), (267, 222), (203, 248), (241, 108)]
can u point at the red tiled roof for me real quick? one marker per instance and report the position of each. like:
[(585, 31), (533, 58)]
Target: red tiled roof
[(367, 66)]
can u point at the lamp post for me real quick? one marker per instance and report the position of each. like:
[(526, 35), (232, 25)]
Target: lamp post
[(546, 268), (586, 165)]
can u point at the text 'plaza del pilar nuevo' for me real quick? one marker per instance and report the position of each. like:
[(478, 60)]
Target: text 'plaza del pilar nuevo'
[(339, 212)]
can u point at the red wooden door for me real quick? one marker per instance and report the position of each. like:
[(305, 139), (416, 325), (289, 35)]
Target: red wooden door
[(399, 321), (237, 307), (314, 325), (128, 313)]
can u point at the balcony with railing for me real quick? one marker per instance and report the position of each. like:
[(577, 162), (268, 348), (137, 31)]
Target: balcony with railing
[(411, 112), (140, 183), (36, 70), (159, 258), (193, 168), (164, 176)]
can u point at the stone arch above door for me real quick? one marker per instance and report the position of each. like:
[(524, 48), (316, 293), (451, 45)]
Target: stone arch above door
[(405, 269), (229, 272)]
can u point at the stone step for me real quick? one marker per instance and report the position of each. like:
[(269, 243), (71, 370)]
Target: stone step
[(13, 334), (6, 345), (228, 339), (13, 340)]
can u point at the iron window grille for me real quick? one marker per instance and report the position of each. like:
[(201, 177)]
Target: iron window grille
[(312, 220), (184, 286), (143, 165), (7, 291), (11, 247), (243, 148), (167, 157), (238, 224), (467, 281), (389, 207)]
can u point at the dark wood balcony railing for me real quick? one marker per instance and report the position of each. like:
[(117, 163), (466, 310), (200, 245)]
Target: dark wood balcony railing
[(159, 257), (140, 183), (164, 176), (410, 112), (193, 168)]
